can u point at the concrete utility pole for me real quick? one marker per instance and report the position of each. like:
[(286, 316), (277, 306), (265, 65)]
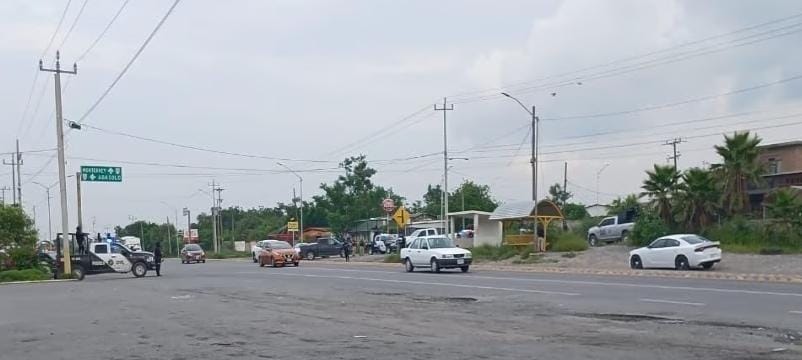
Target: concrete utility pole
[(220, 217), (189, 225), (565, 182), (62, 172), (301, 200), (445, 109), (214, 217), (79, 200), (673, 143)]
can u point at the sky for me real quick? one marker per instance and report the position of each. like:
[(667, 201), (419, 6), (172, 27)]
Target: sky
[(313, 82)]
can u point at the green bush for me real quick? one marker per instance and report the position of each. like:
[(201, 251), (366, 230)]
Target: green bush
[(567, 241), (494, 253), (392, 258), (755, 237), (23, 275), (647, 228)]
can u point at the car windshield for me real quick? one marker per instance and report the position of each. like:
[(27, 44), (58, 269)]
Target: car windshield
[(440, 243), (694, 239), (279, 245), (193, 247)]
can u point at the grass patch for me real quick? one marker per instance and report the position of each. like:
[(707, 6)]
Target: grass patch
[(392, 258), (23, 275), (568, 242), (227, 254), (494, 253)]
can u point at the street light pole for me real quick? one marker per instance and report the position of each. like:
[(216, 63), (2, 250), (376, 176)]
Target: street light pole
[(301, 189), (533, 161)]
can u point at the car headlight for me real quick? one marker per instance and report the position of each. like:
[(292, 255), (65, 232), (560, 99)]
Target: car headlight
[(149, 259), (468, 255), (447, 256)]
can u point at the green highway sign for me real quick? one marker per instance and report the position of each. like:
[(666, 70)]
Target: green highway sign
[(102, 173)]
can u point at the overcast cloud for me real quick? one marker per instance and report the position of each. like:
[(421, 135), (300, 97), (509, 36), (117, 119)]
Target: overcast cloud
[(304, 79)]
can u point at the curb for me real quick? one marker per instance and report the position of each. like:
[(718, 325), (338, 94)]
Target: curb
[(706, 275), (36, 281)]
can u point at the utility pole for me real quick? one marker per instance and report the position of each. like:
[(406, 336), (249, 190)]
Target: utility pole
[(62, 172), (445, 109), (79, 201), (19, 176), (220, 217), (565, 183), (189, 225), (214, 217), (673, 143)]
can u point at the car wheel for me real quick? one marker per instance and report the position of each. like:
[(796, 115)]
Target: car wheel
[(635, 262), (78, 272), (707, 266), (139, 269), (370, 252), (625, 237), (465, 268), (434, 266), (261, 263), (408, 265), (295, 264), (310, 255), (593, 240), (203, 261), (681, 263)]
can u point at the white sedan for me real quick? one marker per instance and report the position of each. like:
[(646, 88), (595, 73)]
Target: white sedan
[(435, 253), (679, 251)]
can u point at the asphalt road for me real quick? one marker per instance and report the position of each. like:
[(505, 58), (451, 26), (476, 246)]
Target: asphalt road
[(234, 309)]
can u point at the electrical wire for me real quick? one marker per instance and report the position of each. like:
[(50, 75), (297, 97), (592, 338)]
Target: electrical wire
[(103, 33), (72, 27)]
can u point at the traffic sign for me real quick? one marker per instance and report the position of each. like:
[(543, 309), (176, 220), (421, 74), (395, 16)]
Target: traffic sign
[(401, 217), (102, 173), (388, 205), (292, 226)]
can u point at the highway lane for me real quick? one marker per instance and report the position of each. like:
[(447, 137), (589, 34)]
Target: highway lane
[(225, 309)]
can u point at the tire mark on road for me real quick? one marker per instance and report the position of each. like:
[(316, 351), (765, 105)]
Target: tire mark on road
[(672, 302)]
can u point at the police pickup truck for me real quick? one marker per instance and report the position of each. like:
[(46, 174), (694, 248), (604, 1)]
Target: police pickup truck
[(103, 258)]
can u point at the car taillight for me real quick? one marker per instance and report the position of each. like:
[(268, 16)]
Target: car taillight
[(703, 248)]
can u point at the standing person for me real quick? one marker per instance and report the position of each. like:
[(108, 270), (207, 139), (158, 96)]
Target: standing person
[(361, 245), (347, 250), (79, 236), (157, 257)]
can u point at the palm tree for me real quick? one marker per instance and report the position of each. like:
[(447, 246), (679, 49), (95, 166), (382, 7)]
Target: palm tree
[(621, 205), (739, 167), (698, 197), (660, 187)]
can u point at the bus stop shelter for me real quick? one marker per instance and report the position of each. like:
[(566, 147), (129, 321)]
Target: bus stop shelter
[(547, 212)]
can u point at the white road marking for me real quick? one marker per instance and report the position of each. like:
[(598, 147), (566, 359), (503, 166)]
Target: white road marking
[(595, 283), (431, 283), (795, 312), (672, 302)]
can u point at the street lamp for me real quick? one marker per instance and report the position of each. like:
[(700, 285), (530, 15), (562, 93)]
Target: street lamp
[(49, 219), (301, 187), (189, 225), (598, 176)]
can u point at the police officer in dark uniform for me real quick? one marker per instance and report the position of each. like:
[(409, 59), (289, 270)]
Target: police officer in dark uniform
[(157, 257), (79, 236)]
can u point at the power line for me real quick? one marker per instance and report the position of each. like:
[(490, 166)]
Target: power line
[(103, 33), (384, 130), (72, 27), (36, 76), (130, 62), (636, 57)]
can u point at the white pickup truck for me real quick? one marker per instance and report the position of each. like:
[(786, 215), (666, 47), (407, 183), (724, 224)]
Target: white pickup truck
[(610, 229)]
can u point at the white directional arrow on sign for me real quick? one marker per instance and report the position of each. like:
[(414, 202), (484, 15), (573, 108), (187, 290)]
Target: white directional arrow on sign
[(92, 177)]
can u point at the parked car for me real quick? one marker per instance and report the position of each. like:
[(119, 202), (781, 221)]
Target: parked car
[(679, 251), (192, 253), (322, 247), (436, 253), (298, 246), (610, 229), (278, 253), (382, 244)]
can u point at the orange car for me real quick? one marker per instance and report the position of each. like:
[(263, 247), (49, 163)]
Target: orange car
[(278, 253)]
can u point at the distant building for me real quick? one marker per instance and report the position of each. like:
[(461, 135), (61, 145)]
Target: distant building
[(782, 166), (597, 210)]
